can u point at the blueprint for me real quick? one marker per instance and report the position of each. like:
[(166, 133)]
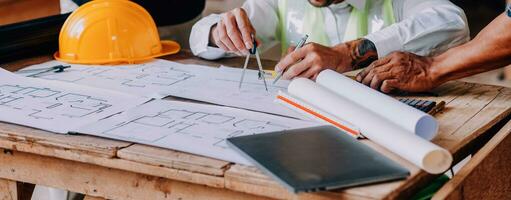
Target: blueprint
[(190, 127), (223, 89), (161, 78), (156, 79), (55, 106)]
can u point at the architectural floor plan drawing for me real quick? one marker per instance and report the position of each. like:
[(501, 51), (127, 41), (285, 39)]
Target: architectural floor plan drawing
[(155, 79), (55, 106), (161, 78), (67, 104), (190, 127)]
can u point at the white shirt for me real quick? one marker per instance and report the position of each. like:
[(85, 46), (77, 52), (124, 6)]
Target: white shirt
[(67, 6), (424, 27)]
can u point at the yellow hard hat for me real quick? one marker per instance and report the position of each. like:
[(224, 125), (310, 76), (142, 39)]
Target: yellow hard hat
[(110, 32)]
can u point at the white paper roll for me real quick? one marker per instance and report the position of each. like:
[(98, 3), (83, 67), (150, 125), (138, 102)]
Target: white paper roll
[(420, 152), (411, 119)]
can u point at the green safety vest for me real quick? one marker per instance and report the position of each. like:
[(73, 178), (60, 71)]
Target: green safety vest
[(300, 18)]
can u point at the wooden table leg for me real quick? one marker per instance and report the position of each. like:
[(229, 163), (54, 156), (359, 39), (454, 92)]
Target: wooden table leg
[(8, 190), (93, 198)]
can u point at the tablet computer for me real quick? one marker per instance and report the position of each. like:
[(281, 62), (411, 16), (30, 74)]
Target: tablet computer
[(318, 158)]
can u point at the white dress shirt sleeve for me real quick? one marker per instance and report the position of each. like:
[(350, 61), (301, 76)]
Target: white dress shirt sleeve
[(262, 14), (428, 27)]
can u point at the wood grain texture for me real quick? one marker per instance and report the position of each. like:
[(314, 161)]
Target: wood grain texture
[(173, 159), (8, 190), (12, 11), (112, 162), (472, 111), (93, 198), (25, 137), (103, 182), (486, 175)]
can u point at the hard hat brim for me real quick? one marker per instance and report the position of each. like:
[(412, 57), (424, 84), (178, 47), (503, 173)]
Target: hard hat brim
[(168, 47)]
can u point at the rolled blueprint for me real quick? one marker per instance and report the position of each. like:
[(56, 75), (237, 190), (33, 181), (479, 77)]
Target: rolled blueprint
[(411, 119), (382, 131)]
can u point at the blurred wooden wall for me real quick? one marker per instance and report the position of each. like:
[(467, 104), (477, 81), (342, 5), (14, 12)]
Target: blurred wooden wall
[(12, 11)]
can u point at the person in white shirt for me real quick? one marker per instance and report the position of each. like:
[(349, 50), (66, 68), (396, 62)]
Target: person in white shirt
[(344, 35)]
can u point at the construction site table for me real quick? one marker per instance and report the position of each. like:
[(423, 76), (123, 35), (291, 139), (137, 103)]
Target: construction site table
[(113, 169)]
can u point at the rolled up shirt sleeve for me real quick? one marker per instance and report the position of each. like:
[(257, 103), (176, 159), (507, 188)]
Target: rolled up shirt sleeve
[(427, 28), (199, 38), (262, 14)]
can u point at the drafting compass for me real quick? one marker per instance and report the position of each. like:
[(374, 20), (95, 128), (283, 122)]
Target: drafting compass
[(56, 69), (261, 73)]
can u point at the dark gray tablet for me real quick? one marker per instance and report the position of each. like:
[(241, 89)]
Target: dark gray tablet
[(318, 158)]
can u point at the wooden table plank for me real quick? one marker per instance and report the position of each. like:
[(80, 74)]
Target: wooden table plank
[(34, 140), (110, 183), (107, 160), (494, 112), (173, 159), (457, 112), (8, 190), (471, 111)]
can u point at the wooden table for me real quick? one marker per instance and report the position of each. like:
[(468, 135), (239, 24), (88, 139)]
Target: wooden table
[(122, 170)]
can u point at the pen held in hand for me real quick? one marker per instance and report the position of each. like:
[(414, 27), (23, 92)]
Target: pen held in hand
[(300, 45)]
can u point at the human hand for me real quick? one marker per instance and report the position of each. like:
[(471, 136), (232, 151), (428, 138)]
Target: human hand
[(234, 32), (313, 58), (400, 71)]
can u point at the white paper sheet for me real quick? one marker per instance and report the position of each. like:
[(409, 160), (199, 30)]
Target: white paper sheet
[(223, 89), (56, 106), (190, 127), (411, 119), (161, 78), (156, 79), (382, 131)]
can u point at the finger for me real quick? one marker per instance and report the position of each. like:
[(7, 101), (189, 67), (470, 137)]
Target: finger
[(224, 37), (311, 72), (296, 69), (291, 59), (389, 85), (290, 49), (382, 61), (246, 28), (361, 76), (378, 78), (219, 42), (235, 34), (315, 77), (368, 78)]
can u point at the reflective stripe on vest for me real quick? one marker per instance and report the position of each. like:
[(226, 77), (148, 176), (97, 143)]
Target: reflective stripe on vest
[(300, 18)]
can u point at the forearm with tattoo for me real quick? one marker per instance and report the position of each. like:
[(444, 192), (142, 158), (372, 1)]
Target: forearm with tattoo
[(363, 53)]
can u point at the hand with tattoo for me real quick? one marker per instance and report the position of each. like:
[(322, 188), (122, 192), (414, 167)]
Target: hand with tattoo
[(313, 58)]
